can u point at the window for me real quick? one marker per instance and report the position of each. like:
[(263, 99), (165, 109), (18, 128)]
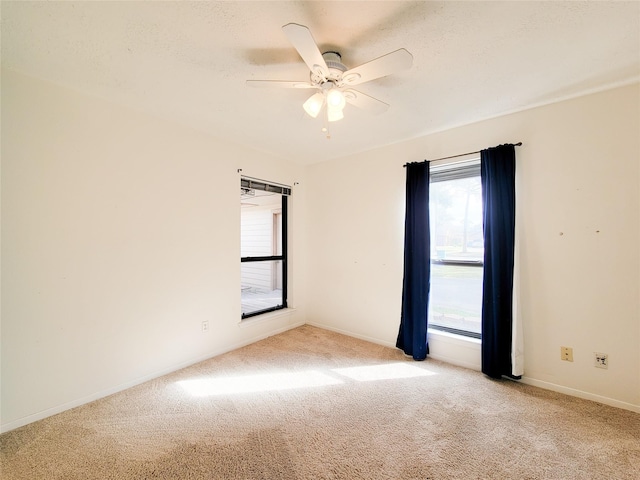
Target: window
[(457, 248), (263, 246)]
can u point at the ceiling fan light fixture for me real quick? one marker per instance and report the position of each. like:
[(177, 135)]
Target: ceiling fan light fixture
[(334, 113), (335, 99), (314, 104)]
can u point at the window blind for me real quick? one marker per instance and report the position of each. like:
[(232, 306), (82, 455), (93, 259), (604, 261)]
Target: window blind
[(256, 184), (442, 173)]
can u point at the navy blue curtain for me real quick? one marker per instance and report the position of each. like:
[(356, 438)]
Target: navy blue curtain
[(498, 173), (412, 337)]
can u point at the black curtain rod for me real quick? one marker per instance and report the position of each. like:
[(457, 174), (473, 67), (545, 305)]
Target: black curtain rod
[(519, 144)]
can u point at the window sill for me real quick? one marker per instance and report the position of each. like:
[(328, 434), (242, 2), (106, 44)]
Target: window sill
[(265, 317), (432, 332)]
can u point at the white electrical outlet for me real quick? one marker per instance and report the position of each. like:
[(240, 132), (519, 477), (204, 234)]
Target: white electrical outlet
[(601, 360), (205, 326)]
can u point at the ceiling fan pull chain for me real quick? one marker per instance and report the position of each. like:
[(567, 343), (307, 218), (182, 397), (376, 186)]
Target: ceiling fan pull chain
[(325, 126)]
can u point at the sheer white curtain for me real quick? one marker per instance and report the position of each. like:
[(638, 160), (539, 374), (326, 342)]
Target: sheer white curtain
[(517, 339)]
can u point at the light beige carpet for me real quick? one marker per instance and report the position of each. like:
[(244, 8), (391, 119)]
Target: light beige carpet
[(312, 404)]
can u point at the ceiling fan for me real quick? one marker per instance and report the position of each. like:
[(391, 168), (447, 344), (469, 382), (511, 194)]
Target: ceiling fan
[(332, 80)]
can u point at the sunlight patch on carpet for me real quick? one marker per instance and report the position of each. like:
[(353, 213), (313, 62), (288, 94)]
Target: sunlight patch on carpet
[(257, 383), (387, 371)]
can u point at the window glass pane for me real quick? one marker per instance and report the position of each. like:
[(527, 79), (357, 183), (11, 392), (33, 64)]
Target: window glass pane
[(261, 285), (258, 215), (455, 207), (456, 297)]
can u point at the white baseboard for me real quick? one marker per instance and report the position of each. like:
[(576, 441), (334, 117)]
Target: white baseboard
[(354, 335), (580, 394), (434, 337), (123, 386)]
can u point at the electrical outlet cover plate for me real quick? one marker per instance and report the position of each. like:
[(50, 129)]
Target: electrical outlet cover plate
[(601, 360)]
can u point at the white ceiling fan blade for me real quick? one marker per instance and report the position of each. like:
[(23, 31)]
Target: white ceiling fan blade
[(380, 67), (302, 40), (279, 84), (365, 102)]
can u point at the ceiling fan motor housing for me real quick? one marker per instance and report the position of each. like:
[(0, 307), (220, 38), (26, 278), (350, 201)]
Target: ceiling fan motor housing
[(336, 68)]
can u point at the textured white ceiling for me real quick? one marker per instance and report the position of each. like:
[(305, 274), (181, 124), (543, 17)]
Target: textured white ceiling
[(188, 61)]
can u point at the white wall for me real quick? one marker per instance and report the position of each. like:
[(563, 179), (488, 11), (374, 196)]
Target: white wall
[(120, 236), (578, 179), (117, 230)]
